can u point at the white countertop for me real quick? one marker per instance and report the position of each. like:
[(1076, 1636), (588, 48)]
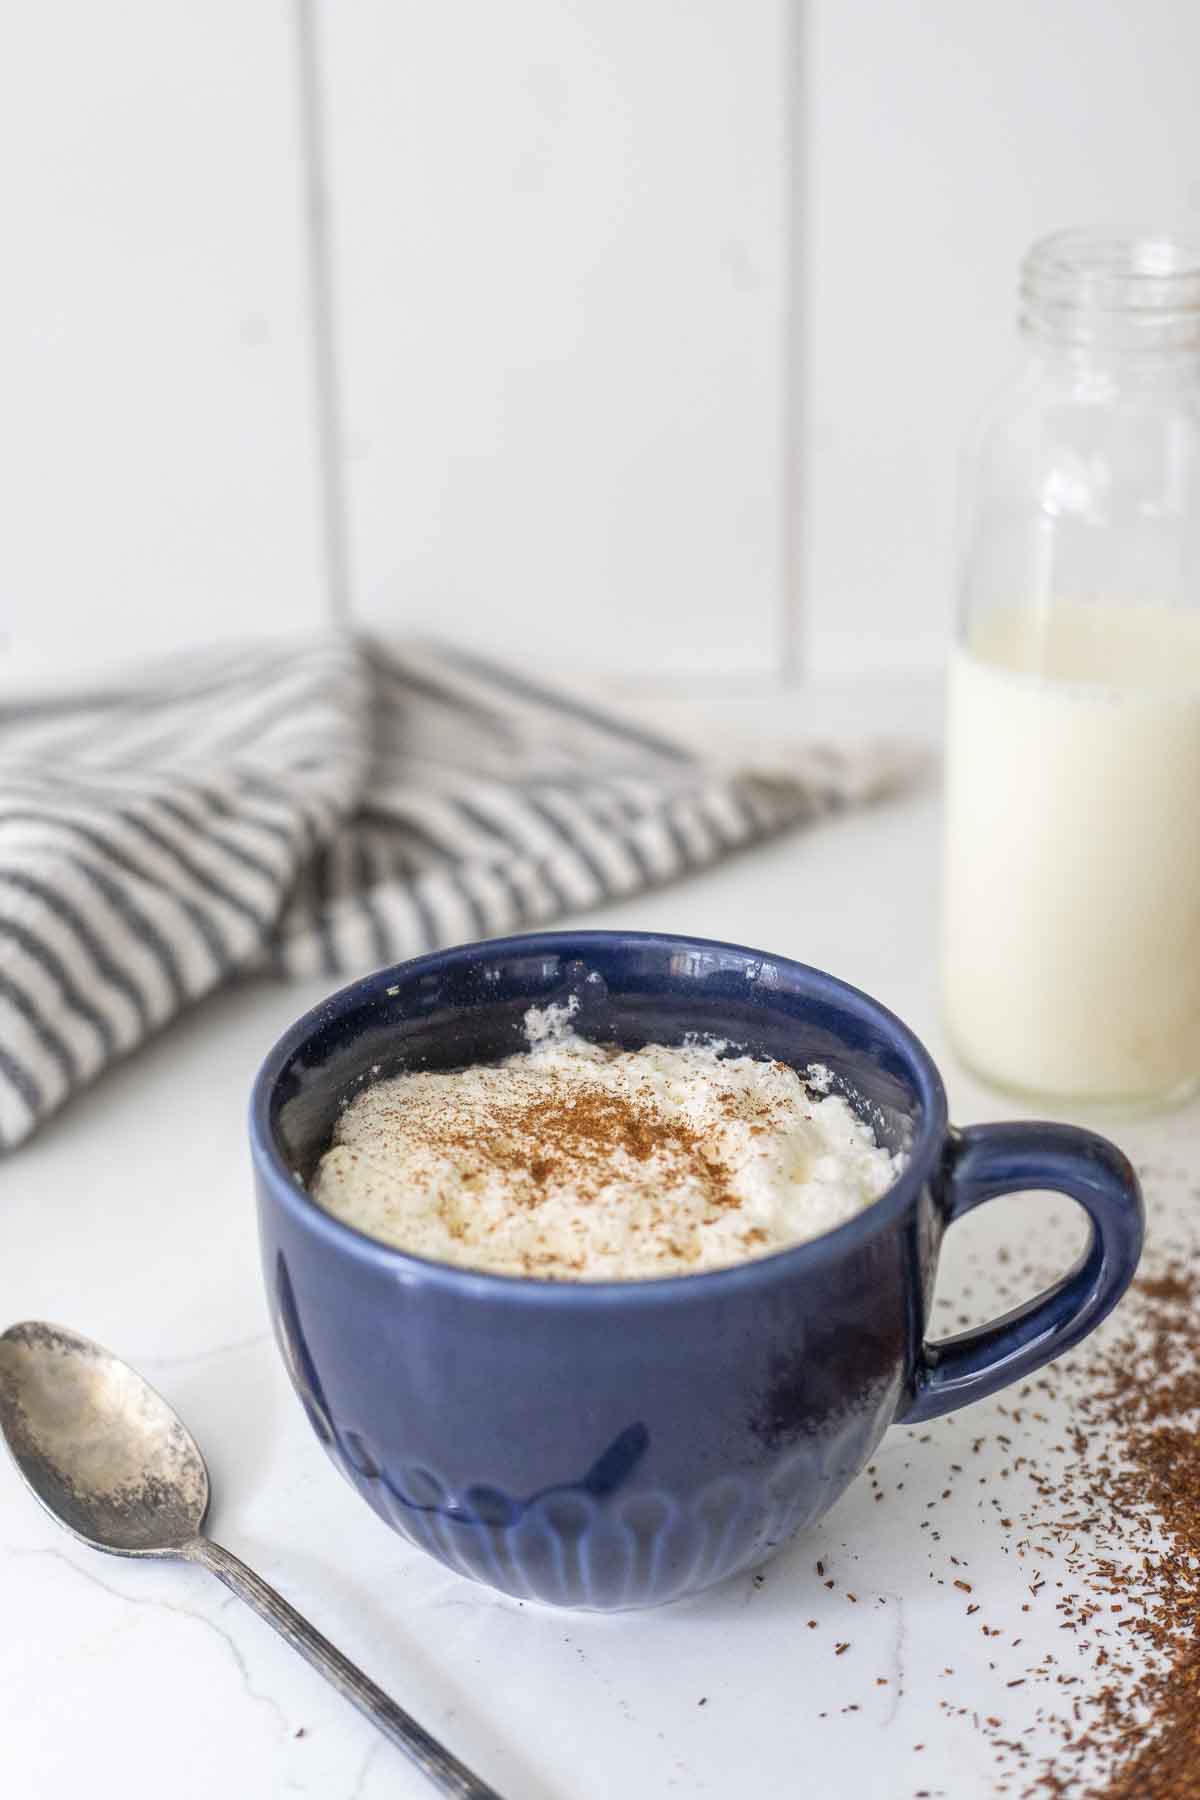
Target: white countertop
[(131, 1219)]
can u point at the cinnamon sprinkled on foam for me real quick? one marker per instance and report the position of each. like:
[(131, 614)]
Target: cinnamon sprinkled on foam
[(580, 1161)]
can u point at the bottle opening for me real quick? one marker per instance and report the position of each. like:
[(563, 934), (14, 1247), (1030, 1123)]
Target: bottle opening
[(1117, 288)]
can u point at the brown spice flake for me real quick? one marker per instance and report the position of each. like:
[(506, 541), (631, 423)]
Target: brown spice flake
[(1121, 1515)]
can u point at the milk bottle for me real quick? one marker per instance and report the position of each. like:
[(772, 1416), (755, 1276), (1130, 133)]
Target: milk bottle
[(1071, 933)]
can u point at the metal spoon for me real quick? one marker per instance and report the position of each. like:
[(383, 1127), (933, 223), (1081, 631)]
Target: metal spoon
[(108, 1459)]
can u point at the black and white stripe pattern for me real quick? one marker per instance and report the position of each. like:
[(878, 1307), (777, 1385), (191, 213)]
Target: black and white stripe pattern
[(323, 810)]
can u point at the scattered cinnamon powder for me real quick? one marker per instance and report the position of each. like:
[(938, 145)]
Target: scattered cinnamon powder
[(1101, 1520), (1133, 1502), (1117, 1507)]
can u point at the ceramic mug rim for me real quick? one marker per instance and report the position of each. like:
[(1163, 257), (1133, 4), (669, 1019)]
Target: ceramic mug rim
[(710, 1284)]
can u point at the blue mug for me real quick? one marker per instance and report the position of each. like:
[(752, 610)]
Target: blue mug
[(619, 1444)]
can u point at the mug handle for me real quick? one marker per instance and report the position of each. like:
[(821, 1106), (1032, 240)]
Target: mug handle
[(985, 1161)]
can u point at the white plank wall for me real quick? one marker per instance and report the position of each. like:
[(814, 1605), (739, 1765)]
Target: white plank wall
[(635, 338), (157, 449), (942, 137), (559, 242)]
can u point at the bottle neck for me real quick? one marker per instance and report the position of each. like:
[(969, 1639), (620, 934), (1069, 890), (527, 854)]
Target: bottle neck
[(1118, 305)]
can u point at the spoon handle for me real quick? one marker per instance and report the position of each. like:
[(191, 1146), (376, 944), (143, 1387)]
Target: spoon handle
[(444, 1770)]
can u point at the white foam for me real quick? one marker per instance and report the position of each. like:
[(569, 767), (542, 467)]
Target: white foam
[(528, 1167)]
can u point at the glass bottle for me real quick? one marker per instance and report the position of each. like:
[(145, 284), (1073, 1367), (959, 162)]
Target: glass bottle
[(1072, 868)]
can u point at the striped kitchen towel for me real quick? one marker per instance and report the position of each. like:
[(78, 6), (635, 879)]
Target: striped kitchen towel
[(325, 807)]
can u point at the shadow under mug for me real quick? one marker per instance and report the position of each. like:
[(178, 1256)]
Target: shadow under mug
[(619, 1444)]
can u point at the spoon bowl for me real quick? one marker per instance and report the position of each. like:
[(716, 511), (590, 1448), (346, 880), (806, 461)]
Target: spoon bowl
[(100, 1449)]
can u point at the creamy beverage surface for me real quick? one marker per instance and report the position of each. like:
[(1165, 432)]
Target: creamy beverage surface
[(578, 1161), (1072, 893)]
